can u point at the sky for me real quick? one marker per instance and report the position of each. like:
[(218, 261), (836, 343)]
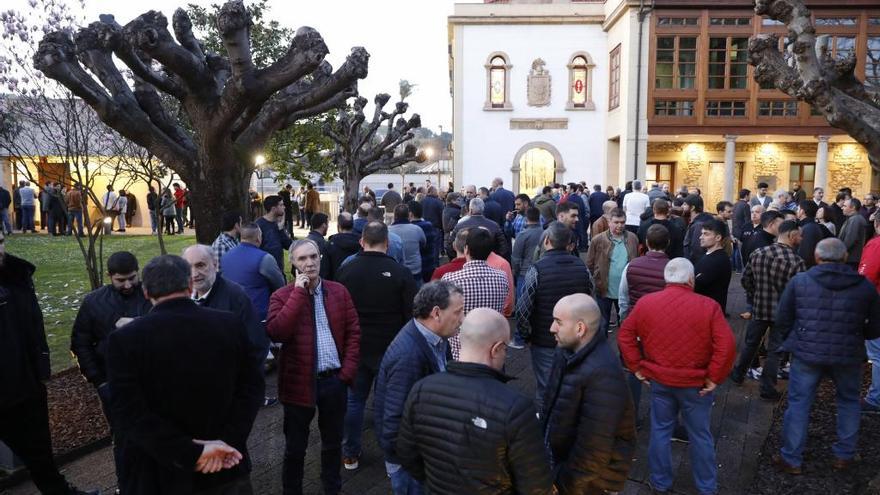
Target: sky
[(405, 39)]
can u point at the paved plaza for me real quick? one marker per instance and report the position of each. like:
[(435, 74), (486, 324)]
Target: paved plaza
[(740, 422)]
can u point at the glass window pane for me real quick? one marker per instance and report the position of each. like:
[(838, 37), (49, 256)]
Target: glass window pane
[(498, 62), (650, 172), (717, 43), (687, 43), (809, 172), (497, 86), (795, 173), (666, 43), (665, 172), (579, 87), (665, 55)]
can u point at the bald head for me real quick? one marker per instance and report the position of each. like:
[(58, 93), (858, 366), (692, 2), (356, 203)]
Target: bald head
[(484, 336), (575, 321)]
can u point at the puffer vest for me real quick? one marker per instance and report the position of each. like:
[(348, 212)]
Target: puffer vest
[(559, 275), (645, 275)]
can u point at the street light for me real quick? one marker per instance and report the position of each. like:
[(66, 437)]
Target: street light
[(259, 160)]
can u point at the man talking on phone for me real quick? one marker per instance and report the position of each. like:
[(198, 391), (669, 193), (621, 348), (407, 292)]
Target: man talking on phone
[(316, 322), (102, 312)]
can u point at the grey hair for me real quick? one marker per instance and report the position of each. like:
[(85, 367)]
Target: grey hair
[(780, 193), (558, 234), (166, 275), (831, 250), (206, 251), (300, 243), (637, 185), (755, 208), (433, 294), (608, 206), (678, 271), (476, 206)]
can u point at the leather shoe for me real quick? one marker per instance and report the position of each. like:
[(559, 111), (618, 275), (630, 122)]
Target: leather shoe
[(772, 395), (780, 465), (842, 464)]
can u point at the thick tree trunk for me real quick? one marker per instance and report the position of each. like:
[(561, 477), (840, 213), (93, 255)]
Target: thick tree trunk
[(351, 182), (215, 193)]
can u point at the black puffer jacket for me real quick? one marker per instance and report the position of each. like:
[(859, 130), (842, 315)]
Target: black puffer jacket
[(24, 354), (94, 323), (589, 421), (465, 432)]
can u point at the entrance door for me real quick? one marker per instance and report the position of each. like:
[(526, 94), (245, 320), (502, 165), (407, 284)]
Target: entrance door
[(537, 168)]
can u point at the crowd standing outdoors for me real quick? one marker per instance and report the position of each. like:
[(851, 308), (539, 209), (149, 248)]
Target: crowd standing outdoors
[(373, 309)]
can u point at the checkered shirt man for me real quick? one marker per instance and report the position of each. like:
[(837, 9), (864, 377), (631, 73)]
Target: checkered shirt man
[(766, 275), (483, 287), (222, 245)]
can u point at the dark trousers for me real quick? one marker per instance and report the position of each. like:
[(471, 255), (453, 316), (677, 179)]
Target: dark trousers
[(331, 405), (307, 219), (24, 428), (241, 486), (17, 218), (754, 334), (288, 221)]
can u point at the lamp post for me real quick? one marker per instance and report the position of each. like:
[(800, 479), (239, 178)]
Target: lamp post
[(259, 160)]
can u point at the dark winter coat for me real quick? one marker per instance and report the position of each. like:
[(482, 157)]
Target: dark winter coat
[(407, 360), (432, 211), (339, 247), (318, 239), (742, 218), (180, 373), (692, 249), (229, 296), (94, 323), (5, 198), (676, 229), (556, 275), (597, 199), (589, 420), (500, 246), (827, 313), (291, 322), (382, 291), (451, 214), (275, 240), (811, 233), (756, 241), (712, 277), (504, 198), (24, 353), (464, 431), (492, 210)]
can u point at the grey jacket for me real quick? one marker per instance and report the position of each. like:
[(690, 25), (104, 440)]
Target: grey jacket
[(523, 248), (853, 235), (413, 241)]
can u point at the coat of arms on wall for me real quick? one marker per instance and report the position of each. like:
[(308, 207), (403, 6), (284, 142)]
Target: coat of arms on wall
[(539, 84)]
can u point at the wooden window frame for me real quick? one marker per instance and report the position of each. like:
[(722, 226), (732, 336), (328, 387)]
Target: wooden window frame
[(671, 166), (728, 65), (676, 61), (614, 58)]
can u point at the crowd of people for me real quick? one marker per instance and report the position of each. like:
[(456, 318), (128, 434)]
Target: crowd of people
[(177, 351)]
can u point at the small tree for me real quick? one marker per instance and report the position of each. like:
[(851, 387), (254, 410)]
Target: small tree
[(359, 152), (829, 85)]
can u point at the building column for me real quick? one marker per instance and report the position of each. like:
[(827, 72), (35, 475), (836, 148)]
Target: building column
[(729, 167), (821, 178)]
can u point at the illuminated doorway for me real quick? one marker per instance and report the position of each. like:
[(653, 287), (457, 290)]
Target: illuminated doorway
[(537, 169)]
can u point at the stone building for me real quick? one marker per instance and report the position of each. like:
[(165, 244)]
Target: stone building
[(661, 91)]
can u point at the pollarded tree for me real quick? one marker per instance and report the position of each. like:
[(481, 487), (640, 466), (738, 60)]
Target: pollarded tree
[(828, 84), (230, 107), (360, 152)]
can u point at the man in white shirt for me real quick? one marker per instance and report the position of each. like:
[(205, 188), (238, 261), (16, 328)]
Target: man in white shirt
[(634, 204)]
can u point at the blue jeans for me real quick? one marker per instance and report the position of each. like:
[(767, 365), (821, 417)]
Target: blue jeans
[(354, 414), (402, 483), (27, 218), (542, 363), (4, 216), (154, 221), (78, 217), (736, 259), (873, 395), (802, 384), (696, 413)]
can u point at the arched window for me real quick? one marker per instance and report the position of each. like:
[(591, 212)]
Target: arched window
[(580, 79), (497, 82)]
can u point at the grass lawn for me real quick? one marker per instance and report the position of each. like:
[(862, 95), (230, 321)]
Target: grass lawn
[(61, 278)]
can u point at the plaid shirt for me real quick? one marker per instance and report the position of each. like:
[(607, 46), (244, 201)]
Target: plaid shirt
[(767, 273), (328, 356), (222, 245), (483, 287)]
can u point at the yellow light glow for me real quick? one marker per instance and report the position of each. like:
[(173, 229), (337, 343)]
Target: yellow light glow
[(259, 160)]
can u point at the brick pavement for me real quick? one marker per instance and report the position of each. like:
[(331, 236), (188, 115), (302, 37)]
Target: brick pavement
[(740, 422)]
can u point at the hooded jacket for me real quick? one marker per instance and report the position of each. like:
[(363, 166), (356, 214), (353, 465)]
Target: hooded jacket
[(339, 247), (827, 313)]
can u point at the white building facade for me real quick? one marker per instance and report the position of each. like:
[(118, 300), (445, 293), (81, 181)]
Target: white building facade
[(545, 92)]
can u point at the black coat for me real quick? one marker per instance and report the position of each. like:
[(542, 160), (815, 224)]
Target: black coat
[(180, 373), (339, 247), (589, 421), (5, 199), (492, 210), (811, 233), (713, 273), (742, 218), (229, 296), (432, 211), (322, 248), (383, 291), (500, 245), (692, 249), (464, 431), (94, 323), (24, 354), (755, 242)]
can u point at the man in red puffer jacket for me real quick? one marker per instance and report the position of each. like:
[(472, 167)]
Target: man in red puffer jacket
[(684, 355), (317, 323)]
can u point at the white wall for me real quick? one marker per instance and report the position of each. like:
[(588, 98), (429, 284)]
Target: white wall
[(486, 146)]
